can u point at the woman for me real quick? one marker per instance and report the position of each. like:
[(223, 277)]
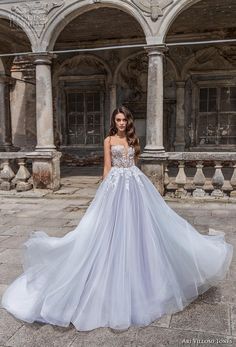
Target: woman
[(130, 260)]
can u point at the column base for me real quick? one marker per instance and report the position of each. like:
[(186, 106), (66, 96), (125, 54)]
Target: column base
[(153, 165), (45, 148), (153, 148), (46, 172), (154, 153), (156, 173)]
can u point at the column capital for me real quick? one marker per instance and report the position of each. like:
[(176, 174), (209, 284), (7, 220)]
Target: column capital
[(43, 58), (156, 49)]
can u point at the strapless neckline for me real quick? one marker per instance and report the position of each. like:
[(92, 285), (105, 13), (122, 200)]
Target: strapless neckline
[(122, 146), (126, 149)]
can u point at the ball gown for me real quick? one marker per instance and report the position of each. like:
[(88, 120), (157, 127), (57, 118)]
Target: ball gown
[(130, 260)]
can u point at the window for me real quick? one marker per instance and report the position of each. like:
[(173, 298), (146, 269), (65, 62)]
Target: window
[(84, 117), (217, 116)]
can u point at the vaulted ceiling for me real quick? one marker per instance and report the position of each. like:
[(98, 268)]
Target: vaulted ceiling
[(102, 26), (12, 38), (206, 20)]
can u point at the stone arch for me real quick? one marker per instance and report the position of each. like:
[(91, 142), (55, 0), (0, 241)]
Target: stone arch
[(130, 79), (171, 14), (90, 65), (169, 60), (78, 58), (23, 24), (67, 13), (174, 68), (131, 76), (122, 62), (205, 57)]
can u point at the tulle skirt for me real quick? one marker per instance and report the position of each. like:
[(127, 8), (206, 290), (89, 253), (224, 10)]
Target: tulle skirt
[(130, 260)]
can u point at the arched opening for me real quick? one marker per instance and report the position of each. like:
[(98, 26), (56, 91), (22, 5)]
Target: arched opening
[(78, 85), (206, 94), (130, 78), (84, 87), (103, 26), (17, 93), (13, 39), (207, 19)]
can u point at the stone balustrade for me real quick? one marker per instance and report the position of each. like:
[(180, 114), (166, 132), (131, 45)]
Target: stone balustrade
[(200, 174), (23, 171)]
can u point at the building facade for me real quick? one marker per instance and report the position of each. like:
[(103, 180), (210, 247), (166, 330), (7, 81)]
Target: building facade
[(65, 65)]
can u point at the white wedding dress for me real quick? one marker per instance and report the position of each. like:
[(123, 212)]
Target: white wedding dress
[(130, 260)]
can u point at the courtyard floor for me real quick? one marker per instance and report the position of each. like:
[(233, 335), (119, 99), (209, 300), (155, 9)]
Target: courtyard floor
[(208, 321)]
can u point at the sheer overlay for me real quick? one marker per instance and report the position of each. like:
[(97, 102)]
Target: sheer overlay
[(130, 260)]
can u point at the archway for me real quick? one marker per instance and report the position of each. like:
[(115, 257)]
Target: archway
[(16, 124), (100, 27), (206, 86), (73, 11)]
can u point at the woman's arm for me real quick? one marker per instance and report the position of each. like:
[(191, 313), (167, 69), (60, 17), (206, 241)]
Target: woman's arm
[(136, 159), (107, 157)]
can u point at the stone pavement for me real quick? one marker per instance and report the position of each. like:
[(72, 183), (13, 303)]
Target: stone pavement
[(208, 321)]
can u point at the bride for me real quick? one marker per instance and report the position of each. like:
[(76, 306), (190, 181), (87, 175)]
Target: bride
[(130, 260)]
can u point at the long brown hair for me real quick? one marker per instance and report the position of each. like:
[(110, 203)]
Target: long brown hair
[(131, 137)]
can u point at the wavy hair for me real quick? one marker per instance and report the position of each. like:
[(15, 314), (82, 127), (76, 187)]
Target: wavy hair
[(131, 137)]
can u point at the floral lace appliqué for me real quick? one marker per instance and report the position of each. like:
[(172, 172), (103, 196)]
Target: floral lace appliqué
[(123, 166), (122, 157)]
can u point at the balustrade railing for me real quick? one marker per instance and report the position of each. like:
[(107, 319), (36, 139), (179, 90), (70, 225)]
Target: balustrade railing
[(195, 174), (200, 174), (23, 171)]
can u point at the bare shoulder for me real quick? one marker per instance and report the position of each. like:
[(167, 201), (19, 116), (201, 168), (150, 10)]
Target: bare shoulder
[(107, 140)]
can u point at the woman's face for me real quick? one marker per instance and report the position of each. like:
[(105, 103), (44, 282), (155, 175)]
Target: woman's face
[(120, 121)]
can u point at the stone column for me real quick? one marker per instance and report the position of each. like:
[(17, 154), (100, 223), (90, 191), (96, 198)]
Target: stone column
[(180, 117), (154, 128), (154, 155), (5, 116), (44, 106), (46, 167)]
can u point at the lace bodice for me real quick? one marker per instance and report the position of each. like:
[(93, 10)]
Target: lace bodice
[(123, 167), (121, 156)]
